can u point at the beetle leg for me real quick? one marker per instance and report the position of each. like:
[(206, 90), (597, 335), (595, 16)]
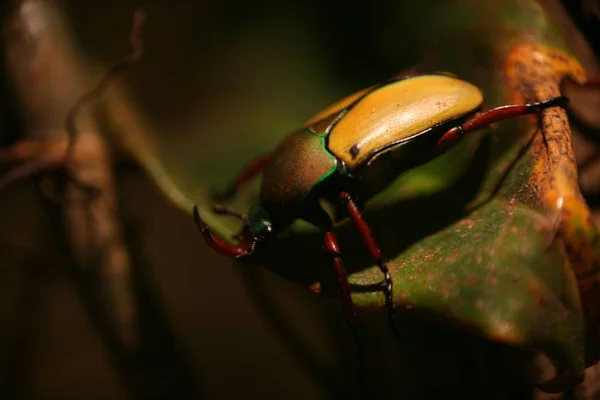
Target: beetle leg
[(224, 210), (241, 250), (365, 232), (332, 248), (483, 119), (245, 175)]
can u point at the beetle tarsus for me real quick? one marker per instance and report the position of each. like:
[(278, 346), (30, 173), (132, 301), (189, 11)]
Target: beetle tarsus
[(332, 249), (250, 250), (389, 296), (365, 232), (561, 101)]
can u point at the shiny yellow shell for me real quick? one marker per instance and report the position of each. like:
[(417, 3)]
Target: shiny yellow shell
[(395, 112), (338, 106)]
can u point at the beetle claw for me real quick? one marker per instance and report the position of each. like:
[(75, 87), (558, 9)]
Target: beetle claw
[(561, 101), (247, 253), (241, 250)]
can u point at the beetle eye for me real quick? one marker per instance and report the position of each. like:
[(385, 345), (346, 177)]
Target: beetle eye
[(258, 223), (266, 225), (263, 227)]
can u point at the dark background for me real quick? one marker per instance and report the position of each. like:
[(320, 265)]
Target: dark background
[(239, 331)]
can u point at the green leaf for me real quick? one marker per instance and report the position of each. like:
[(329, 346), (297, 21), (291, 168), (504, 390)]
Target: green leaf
[(469, 236)]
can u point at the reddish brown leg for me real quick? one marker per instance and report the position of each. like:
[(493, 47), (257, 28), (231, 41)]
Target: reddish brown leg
[(483, 119), (365, 232), (332, 248), (250, 171), (241, 250)]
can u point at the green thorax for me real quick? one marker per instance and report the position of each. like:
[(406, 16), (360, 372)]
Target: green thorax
[(300, 166)]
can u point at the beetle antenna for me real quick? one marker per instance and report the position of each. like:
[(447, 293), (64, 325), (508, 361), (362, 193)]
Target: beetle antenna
[(224, 210)]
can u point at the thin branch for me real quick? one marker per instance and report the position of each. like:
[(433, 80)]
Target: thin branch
[(27, 150), (137, 46), (38, 157), (48, 74)]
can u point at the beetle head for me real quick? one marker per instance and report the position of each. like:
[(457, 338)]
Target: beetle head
[(257, 226)]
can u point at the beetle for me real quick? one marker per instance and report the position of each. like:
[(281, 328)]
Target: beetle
[(350, 152)]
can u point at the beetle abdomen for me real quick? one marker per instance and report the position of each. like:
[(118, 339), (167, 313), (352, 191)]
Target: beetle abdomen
[(397, 112)]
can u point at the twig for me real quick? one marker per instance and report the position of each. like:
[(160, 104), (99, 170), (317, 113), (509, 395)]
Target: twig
[(137, 46), (39, 157), (48, 78), (27, 150)]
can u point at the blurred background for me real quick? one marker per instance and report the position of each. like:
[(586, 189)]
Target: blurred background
[(210, 328)]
